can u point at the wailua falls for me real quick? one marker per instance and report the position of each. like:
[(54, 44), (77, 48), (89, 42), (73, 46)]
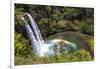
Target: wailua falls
[(45, 48)]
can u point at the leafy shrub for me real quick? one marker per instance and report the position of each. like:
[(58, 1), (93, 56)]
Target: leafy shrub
[(21, 46), (88, 27)]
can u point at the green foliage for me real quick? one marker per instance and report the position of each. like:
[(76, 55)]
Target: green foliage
[(21, 47), (61, 24), (18, 14), (88, 27), (92, 43), (83, 55), (79, 55)]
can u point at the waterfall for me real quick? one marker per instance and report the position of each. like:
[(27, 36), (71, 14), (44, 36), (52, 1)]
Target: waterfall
[(35, 29), (39, 46), (34, 42)]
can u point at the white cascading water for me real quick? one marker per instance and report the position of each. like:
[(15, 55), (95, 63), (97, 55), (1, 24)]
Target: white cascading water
[(40, 47)]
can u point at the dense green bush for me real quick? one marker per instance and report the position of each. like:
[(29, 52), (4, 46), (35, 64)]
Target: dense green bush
[(88, 27), (79, 55), (22, 47)]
